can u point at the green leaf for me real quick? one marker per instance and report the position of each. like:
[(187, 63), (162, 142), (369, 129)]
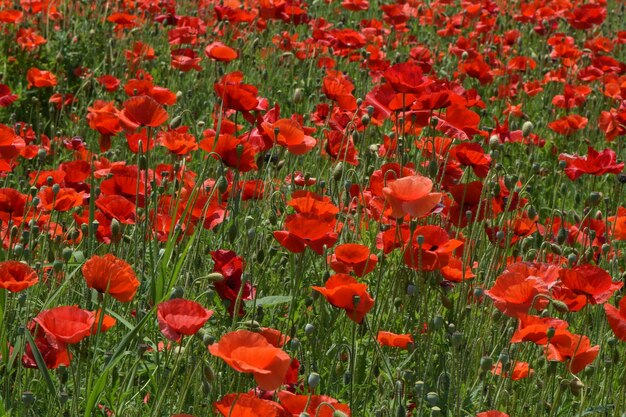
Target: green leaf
[(270, 301)]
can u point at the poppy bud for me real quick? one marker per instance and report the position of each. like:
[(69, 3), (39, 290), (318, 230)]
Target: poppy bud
[(176, 121), (297, 96), (432, 398), (562, 164), (560, 306), (446, 302), (494, 142), (304, 414), (527, 128), (116, 230), (359, 101), (464, 56), (594, 198), (313, 380), (338, 413), (222, 184), (410, 289), (347, 377), (365, 120), (576, 386), (435, 412), (28, 398), (456, 339), (486, 363), (556, 249), (41, 154), (337, 171), (433, 168), (621, 178), (177, 292), (18, 250), (215, 277)]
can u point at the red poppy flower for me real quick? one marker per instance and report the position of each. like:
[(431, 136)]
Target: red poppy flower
[(185, 59), (16, 276), (594, 163), (591, 281), (220, 52), (235, 153), (248, 405), (406, 77), (307, 230), (411, 195), (178, 317), (6, 98), (569, 124), (492, 413), (575, 348), (515, 293), (54, 354), (434, 252), (472, 154), (109, 82), (617, 318), (343, 291), (618, 221), (142, 111), (38, 78), (66, 324), (63, 199), (178, 141), (12, 205), (108, 274), (117, 207), (289, 133), (250, 352), (353, 257), (314, 405), (231, 266), (394, 340), (337, 87), (235, 94), (339, 146), (535, 329), (520, 370)]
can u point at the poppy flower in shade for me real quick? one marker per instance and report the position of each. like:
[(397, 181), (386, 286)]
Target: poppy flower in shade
[(454, 272), (220, 52), (344, 291), (250, 352), (53, 354), (16, 276), (411, 195), (568, 125), (6, 97), (594, 163), (38, 78), (63, 199), (591, 281), (108, 274), (515, 293), (339, 146), (235, 94), (178, 317), (394, 340), (66, 324), (492, 413), (353, 257), (185, 59), (434, 252), (314, 405), (142, 111), (520, 370), (535, 329), (307, 230), (576, 348), (231, 266), (248, 405), (617, 318)]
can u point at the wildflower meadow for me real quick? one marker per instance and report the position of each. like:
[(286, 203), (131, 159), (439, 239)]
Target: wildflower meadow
[(312, 208)]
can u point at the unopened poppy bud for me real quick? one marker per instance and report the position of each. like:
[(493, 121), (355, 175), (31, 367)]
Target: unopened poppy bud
[(57, 265), (215, 277), (464, 55), (621, 178), (338, 413), (347, 377), (435, 412), (177, 292), (18, 250), (562, 164), (176, 121), (41, 154), (527, 128), (594, 198), (606, 248), (313, 380), (556, 249), (222, 184), (576, 386), (456, 339), (504, 358), (304, 414), (359, 101), (308, 329), (410, 289), (446, 302), (560, 306), (365, 120), (28, 398), (337, 171), (432, 398), (486, 363), (433, 168), (297, 95), (179, 95), (494, 142), (499, 235), (370, 110)]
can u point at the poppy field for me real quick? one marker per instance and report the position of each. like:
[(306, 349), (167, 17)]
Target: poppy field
[(312, 208)]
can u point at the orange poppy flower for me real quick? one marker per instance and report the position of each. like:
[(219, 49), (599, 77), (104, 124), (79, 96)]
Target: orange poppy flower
[(411, 195), (178, 141), (342, 290), (520, 370), (220, 52), (12, 205), (515, 293), (250, 352), (492, 413), (573, 347), (53, 354), (66, 324), (617, 318), (569, 124), (289, 133), (315, 405), (352, 257), (591, 281), (618, 221), (434, 252), (108, 274), (16, 276), (142, 111), (178, 317), (248, 405), (235, 153), (38, 78), (394, 340), (535, 329), (307, 230)]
